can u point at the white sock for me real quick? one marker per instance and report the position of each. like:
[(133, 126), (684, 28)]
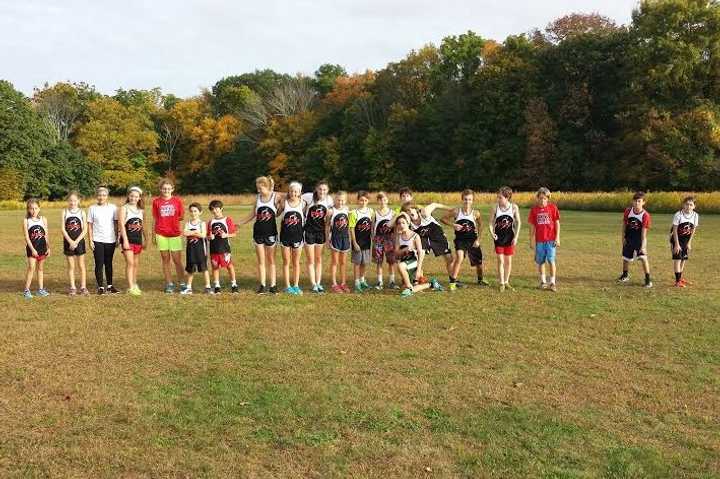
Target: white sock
[(542, 278), (552, 279), (392, 277), (380, 279), (357, 282), (234, 283), (217, 284)]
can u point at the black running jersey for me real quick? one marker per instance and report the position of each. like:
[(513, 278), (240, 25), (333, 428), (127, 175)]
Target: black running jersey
[(339, 223), (73, 224), (196, 248), (265, 218), (216, 227), (291, 226), (685, 224), (37, 235), (465, 226), (504, 227), (133, 225), (315, 217), (634, 224), (383, 223), (363, 225)]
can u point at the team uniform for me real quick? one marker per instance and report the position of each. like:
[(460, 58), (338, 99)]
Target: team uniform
[(315, 219), (466, 233), (362, 222), (220, 253), (73, 224), (408, 255), (134, 228), (292, 225), (265, 227), (685, 225), (544, 218), (504, 229), (384, 241), (339, 232), (432, 236), (634, 225), (195, 249), (38, 238)]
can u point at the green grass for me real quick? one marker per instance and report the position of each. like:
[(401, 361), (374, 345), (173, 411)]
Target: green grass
[(598, 380)]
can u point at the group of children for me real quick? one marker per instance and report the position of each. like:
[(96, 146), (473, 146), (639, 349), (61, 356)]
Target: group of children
[(399, 239)]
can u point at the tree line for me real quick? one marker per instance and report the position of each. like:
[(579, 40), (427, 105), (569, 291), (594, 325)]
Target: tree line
[(583, 104)]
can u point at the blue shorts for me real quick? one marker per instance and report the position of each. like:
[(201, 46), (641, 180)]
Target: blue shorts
[(545, 252)]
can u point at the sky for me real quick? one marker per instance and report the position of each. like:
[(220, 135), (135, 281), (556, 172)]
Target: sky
[(183, 46)]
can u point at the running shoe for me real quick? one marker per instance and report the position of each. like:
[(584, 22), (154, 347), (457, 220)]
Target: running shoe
[(43, 293), (234, 289), (320, 288), (435, 284), (379, 286), (72, 292), (186, 291), (364, 285), (136, 291), (217, 290), (298, 291), (112, 290), (100, 290), (209, 290), (315, 289), (358, 288), (624, 278), (169, 288), (553, 287), (648, 284), (273, 289), (27, 294), (482, 282), (336, 288), (452, 287), (84, 292), (261, 289), (290, 290), (406, 293), (680, 284), (543, 285)]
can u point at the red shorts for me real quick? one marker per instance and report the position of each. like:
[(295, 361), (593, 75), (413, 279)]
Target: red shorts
[(135, 248), (506, 250), (41, 257), (221, 260)]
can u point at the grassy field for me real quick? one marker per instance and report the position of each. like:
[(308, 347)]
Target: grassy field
[(598, 380)]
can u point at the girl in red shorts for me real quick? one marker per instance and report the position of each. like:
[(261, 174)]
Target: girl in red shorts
[(504, 228), (133, 236)]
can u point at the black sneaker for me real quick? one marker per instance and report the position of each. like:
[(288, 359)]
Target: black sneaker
[(261, 289), (459, 285), (624, 278), (482, 282), (112, 290), (217, 290), (101, 290), (648, 283), (209, 290), (234, 288), (273, 290)]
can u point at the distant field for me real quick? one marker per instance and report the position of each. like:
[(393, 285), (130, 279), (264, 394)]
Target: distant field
[(598, 380)]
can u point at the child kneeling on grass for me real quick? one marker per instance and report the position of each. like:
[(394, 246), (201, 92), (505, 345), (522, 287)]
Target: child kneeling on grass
[(410, 254), (544, 220)]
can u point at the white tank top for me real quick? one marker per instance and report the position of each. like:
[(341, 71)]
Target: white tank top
[(259, 203), (130, 214), (380, 218), (407, 243), (337, 211), (463, 216), (35, 222), (299, 209)]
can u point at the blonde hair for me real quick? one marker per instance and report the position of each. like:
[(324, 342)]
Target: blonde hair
[(265, 181), (28, 204), (543, 191)]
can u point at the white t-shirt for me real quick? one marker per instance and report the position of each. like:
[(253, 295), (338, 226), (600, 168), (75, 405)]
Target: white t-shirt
[(308, 199), (102, 218)]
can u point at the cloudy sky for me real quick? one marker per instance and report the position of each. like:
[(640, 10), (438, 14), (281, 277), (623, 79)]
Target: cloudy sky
[(183, 46)]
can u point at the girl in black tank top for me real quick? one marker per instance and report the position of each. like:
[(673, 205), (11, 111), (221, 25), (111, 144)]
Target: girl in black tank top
[(36, 247), (74, 230)]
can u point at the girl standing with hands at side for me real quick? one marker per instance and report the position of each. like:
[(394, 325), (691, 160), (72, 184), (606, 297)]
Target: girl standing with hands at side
[(37, 247), (102, 234), (338, 234), (133, 236), (504, 228), (291, 237), (74, 230)]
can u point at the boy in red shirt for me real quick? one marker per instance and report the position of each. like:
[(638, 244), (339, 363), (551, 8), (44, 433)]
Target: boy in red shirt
[(167, 213), (544, 219)]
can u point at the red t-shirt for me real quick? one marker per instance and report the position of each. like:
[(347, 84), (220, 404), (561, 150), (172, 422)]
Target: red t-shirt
[(167, 214), (544, 218)]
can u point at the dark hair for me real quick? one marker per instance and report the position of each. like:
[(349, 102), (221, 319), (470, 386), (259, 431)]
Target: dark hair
[(639, 195), (165, 181), (405, 191), (467, 192), (318, 185), (31, 201), (195, 205), (381, 194), (689, 198), (505, 192), (362, 194), (215, 204)]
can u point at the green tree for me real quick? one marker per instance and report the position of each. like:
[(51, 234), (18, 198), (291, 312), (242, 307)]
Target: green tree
[(325, 77)]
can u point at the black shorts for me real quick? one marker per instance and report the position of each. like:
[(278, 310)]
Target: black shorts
[(631, 252), (196, 267), (291, 244), (265, 240), (439, 247), (79, 250), (473, 253), (340, 243), (684, 255), (314, 237)]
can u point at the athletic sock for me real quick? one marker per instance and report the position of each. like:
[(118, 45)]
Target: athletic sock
[(217, 284), (678, 276), (357, 283), (392, 277), (552, 279), (480, 276), (647, 277), (542, 278), (234, 283), (624, 274), (452, 280)]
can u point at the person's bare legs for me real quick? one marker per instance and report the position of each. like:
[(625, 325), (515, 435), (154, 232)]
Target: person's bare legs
[(166, 260), (286, 266), (260, 255), (270, 264), (310, 262), (179, 270), (71, 270)]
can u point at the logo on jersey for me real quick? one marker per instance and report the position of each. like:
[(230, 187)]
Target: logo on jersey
[(634, 224), (363, 225), (685, 229), (292, 219), (36, 233), (503, 223), (218, 229), (317, 212), (134, 225), (340, 222), (464, 226), (264, 214), (73, 225), (383, 228)]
